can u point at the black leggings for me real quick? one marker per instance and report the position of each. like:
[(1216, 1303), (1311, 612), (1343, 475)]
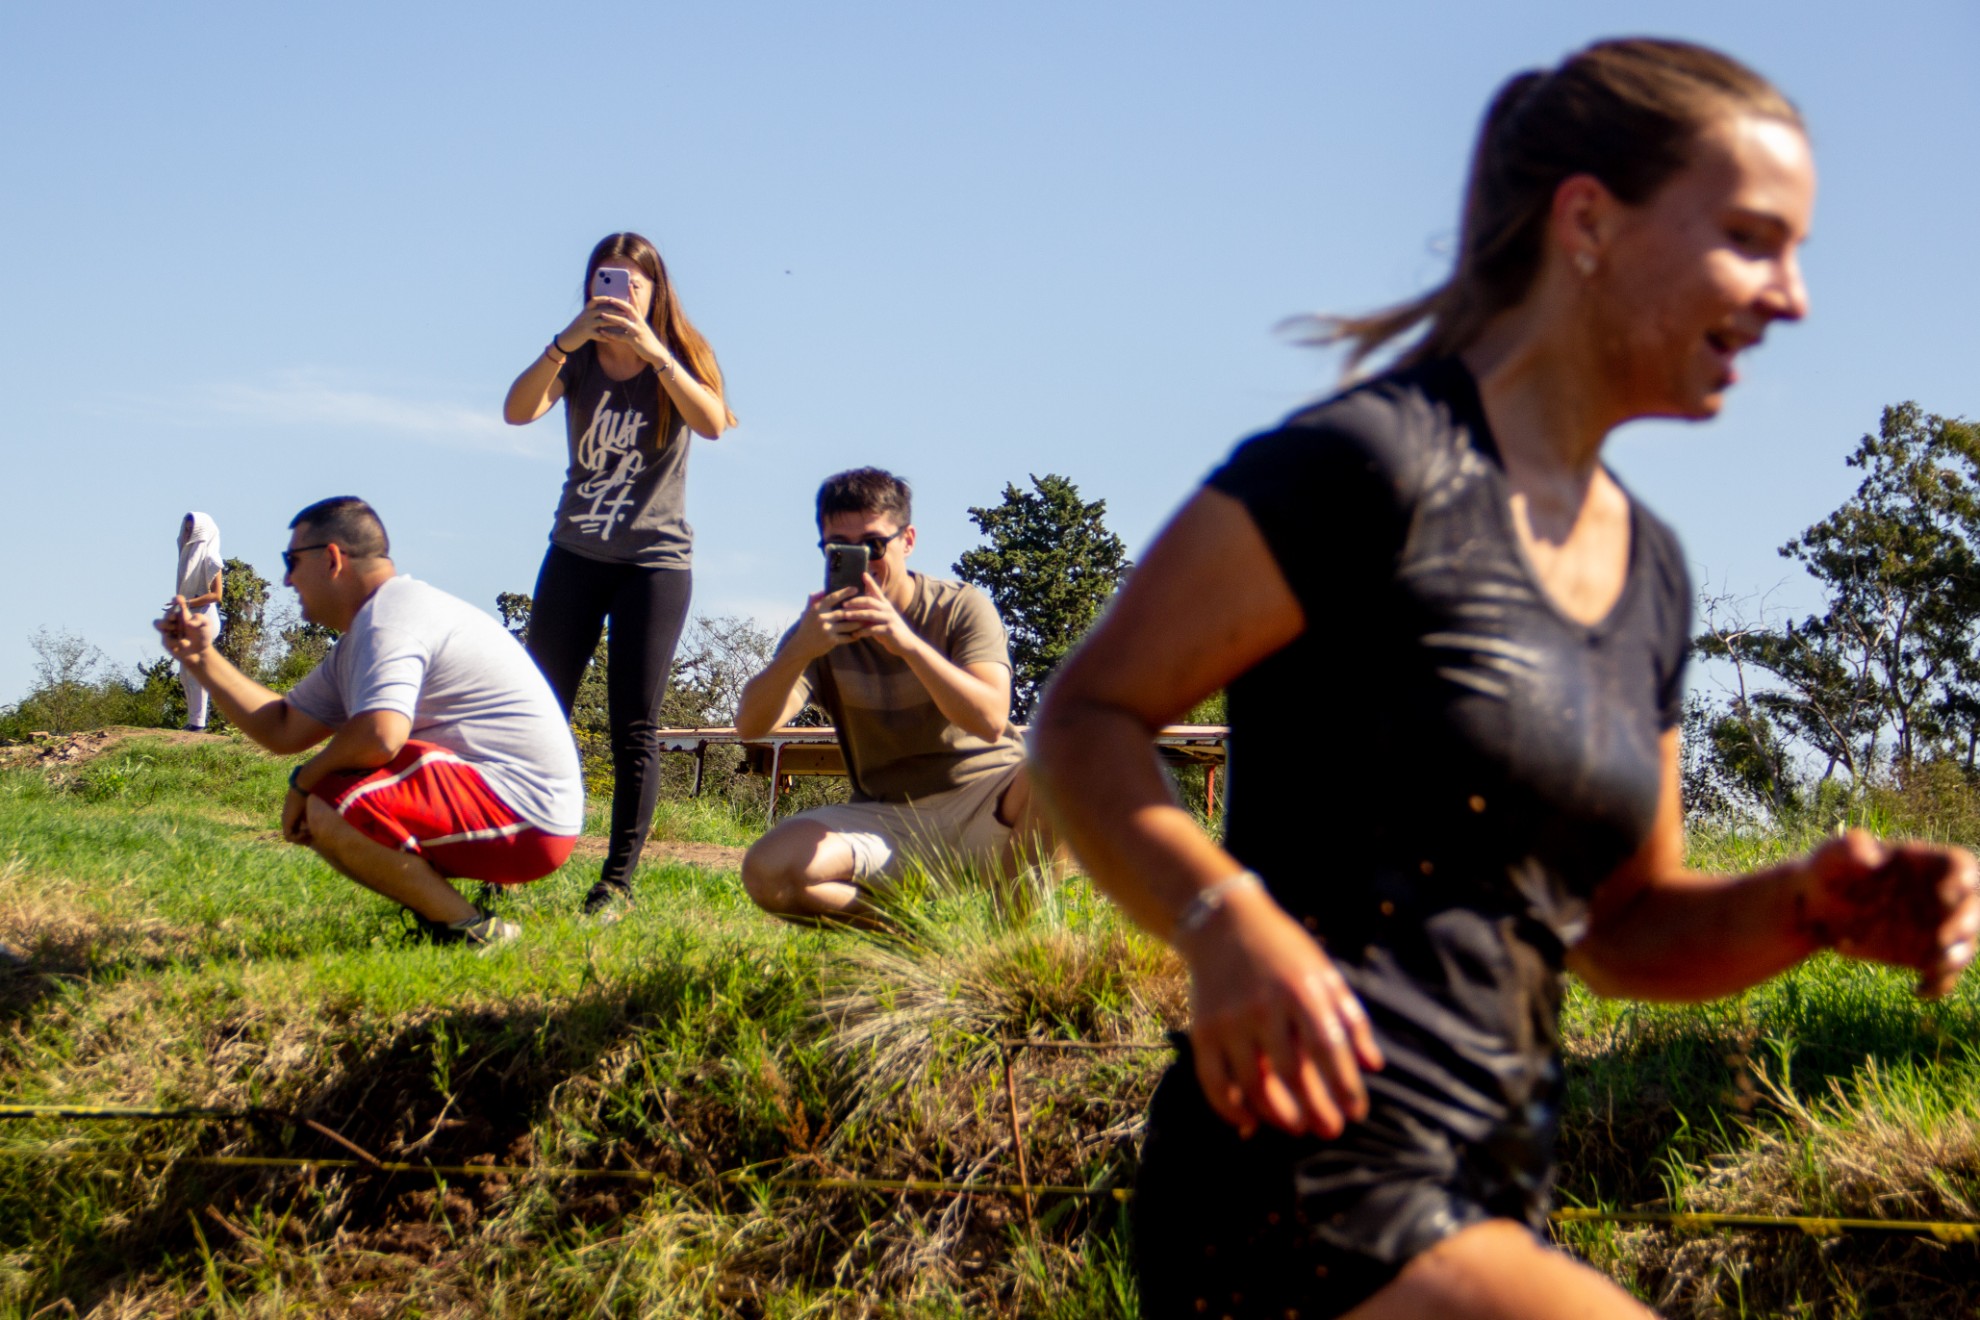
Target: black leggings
[(647, 607)]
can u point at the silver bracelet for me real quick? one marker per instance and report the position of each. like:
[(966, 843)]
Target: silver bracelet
[(1211, 900)]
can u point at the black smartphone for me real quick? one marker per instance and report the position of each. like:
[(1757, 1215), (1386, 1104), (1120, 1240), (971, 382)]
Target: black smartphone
[(845, 566)]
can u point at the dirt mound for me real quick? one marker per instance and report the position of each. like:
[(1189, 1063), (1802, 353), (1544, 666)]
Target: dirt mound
[(48, 749)]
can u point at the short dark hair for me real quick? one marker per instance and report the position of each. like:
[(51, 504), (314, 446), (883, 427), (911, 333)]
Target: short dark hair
[(347, 521), (865, 490)]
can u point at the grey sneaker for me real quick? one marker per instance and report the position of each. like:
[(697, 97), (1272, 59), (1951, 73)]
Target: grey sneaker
[(484, 931)]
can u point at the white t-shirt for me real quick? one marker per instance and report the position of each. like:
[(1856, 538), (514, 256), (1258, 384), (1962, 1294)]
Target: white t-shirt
[(466, 685), (197, 570)]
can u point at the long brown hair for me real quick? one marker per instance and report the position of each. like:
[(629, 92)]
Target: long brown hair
[(1625, 111), (669, 322)]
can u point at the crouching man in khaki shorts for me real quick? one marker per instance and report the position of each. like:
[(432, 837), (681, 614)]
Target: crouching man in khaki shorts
[(916, 674)]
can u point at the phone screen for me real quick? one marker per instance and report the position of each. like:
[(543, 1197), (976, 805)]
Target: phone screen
[(845, 566)]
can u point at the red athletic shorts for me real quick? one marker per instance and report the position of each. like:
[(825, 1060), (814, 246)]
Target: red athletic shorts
[(428, 801)]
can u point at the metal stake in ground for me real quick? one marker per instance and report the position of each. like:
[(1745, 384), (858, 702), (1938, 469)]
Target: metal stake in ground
[(1017, 1139)]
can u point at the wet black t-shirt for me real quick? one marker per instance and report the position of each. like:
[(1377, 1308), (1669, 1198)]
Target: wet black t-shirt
[(1440, 726), (1433, 777)]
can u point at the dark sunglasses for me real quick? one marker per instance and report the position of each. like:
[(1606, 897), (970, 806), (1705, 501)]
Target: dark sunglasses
[(289, 556), (876, 546)]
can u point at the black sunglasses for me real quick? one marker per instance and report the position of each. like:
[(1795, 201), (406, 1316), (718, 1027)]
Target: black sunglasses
[(876, 546), (289, 556)]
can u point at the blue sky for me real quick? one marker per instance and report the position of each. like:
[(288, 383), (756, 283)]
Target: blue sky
[(258, 254)]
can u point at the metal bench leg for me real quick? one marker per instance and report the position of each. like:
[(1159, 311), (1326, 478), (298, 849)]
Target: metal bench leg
[(776, 760)]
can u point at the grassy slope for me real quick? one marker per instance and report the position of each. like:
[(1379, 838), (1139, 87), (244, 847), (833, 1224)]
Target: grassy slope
[(200, 961)]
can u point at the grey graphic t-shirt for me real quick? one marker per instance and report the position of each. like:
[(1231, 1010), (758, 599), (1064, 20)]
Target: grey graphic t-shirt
[(625, 489)]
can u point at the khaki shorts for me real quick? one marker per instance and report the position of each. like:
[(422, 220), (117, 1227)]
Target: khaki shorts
[(956, 827)]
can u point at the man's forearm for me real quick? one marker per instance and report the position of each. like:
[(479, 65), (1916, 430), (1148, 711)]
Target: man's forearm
[(766, 697), (259, 712), (365, 742), (964, 699)]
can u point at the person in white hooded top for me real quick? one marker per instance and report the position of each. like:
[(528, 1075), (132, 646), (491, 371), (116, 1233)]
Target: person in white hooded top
[(199, 582)]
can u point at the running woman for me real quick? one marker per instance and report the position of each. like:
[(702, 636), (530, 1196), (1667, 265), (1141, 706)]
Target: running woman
[(1363, 1121)]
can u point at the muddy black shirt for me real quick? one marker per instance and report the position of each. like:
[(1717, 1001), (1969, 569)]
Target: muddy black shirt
[(1436, 774)]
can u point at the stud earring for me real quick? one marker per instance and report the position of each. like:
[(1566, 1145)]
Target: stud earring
[(1585, 262)]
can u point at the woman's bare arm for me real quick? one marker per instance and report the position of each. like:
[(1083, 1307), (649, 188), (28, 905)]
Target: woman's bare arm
[(1278, 1037), (211, 596), (1660, 931), (535, 392)]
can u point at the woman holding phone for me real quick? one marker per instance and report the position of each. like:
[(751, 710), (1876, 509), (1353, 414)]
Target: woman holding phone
[(1363, 1119), (635, 377)]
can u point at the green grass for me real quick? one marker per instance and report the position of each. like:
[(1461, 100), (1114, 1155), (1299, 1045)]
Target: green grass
[(187, 956), (1829, 1091), (193, 958)]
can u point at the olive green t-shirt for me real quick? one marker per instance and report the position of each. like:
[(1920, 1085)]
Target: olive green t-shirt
[(898, 744)]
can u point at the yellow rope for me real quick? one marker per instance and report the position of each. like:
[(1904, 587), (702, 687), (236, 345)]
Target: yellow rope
[(1813, 1225), (127, 1111), (1679, 1220)]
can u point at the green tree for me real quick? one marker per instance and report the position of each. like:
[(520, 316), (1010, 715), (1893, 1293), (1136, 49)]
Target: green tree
[(1050, 566), (1886, 671), (76, 687), (69, 685), (715, 659), (304, 645), (514, 608), (1823, 695), (243, 616), (1898, 564)]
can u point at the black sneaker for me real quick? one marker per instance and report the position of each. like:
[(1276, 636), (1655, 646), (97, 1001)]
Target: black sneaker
[(483, 931), (607, 902)]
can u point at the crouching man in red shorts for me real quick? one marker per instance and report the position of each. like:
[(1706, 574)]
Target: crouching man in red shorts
[(448, 756)]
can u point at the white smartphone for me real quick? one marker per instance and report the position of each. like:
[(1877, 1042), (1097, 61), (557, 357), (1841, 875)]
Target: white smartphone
[(611, 282)]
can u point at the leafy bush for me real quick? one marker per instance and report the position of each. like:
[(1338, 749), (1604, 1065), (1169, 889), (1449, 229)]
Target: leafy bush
[(76, 687)]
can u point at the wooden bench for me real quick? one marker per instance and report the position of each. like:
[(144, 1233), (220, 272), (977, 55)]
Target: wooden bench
[(794, 750)]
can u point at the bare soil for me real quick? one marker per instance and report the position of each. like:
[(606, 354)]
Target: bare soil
[(50, 750), (708, 856)]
